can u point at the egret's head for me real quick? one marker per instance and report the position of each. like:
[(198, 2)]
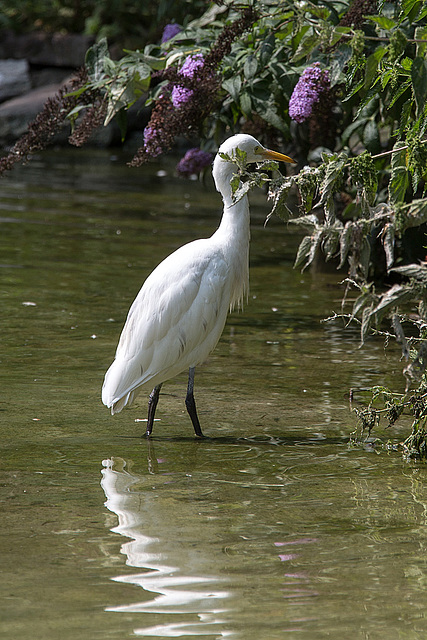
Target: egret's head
[(254, 150)]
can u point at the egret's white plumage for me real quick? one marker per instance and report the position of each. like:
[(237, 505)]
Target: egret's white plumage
[(179, 314)]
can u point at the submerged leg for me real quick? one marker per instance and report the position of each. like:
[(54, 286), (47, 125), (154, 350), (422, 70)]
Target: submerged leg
[(152, 404), (191, 404)]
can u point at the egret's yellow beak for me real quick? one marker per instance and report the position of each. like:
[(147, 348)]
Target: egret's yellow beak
[(275, 155)]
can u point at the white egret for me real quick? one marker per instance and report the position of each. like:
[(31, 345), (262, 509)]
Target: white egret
[(179, 314)]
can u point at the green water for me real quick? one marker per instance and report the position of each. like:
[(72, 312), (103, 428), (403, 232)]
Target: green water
[(273, 527)]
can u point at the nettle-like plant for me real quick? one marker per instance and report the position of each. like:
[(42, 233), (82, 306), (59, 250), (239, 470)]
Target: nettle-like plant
[(343, 87)]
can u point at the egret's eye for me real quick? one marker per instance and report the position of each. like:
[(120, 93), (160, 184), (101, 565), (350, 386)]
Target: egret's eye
[(256, 149)]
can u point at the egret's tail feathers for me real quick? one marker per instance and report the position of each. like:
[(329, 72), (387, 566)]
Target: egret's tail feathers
[(122, 383), (116, 391), (117, 405)]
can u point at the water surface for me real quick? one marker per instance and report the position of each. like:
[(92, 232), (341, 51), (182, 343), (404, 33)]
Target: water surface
[(274, 526)]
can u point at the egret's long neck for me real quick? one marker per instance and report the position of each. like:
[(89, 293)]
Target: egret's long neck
[(222, 174), (236, 215), (233, 232)]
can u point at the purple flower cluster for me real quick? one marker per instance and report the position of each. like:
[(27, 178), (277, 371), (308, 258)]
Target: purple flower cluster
[(194, 161), (170, 31), (151, 142), (191, 65), (180, 94), (308, 91)]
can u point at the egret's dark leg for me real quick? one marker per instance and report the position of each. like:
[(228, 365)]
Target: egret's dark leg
[(152, 404), (191, 404)]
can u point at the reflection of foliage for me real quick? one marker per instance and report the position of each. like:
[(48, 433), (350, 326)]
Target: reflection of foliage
[(364, 189)]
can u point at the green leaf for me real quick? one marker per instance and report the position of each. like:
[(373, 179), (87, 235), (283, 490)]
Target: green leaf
[(333, 176), (383, 22), (310, 221), (125, 91), (388, 239), (369, 103), (371, 69), (339, 61), (421, 35), (399, 180), (405, 116), (365, 257), (245, 103), (306, 46), (371, 137), (233, 86), (95, 59), (419, 83), (415, 271), (406, 65), (346, 239), (318, 12), (235, 180), (353, 128), (404, 86), (74, 113), (278, 192), (395, 296), (355, 89), (250, 66), (109, 67), (410, 9), (299, 35), (303, 251), (269, 115), (331, 241), (365, 324), (306, 251), (414, 214), (267, 48), (121, 119), (362, 302), (154, 63), (241, 191), (337, 34), (370, 108), (386, 76)]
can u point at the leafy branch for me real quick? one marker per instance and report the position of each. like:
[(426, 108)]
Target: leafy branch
[(393, 406)]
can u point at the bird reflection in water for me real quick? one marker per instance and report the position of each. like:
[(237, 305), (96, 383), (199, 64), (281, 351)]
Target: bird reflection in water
[(177, 572)]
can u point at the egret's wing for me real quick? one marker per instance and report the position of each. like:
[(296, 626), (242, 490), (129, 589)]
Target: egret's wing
[(174, 322)]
